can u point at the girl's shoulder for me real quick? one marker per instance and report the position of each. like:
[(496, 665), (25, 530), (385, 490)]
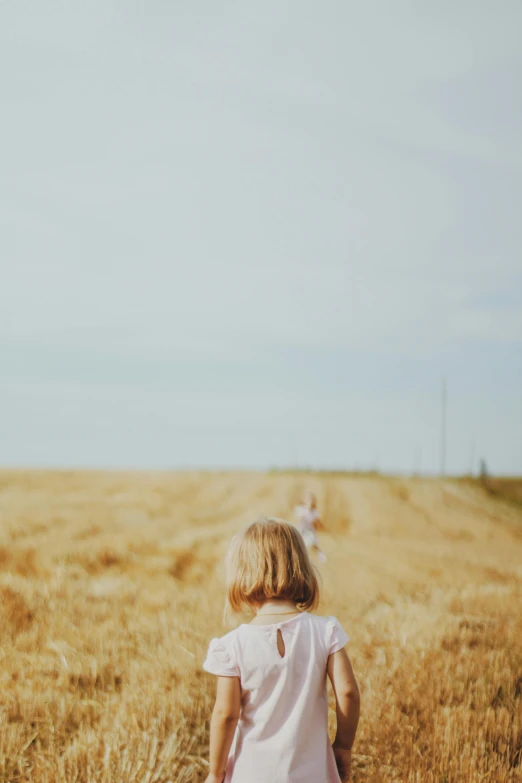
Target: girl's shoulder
[(225, 654), (222, 656), (331, 631)]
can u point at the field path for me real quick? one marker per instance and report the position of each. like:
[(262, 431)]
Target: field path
[(112, 586)]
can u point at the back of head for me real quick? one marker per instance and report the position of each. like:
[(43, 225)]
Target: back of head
[(269, 560), (309, 500)]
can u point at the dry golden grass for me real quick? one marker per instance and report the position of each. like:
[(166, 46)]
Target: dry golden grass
[(508, 488), (111, 587)]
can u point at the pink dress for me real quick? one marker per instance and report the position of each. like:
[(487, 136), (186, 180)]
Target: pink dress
[(282, 733)]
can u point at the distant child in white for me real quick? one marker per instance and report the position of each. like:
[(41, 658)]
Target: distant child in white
[(309, 522)]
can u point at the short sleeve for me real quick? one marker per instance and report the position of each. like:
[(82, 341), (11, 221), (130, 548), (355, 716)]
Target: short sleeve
[(220, 660), (336, 636)]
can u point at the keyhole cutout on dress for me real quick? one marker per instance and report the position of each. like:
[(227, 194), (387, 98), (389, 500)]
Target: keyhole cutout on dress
[(280, 643)]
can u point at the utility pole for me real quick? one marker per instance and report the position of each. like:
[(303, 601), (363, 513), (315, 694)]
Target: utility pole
[(443, 429), (472, 458)]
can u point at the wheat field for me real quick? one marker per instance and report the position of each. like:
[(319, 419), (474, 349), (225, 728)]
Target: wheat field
[(112, 586)]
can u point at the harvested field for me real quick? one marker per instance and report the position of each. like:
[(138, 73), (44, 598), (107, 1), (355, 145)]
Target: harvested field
[(509, 489), (111, 587)]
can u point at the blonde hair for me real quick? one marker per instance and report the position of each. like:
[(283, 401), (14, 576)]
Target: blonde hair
[(269, 560), (309, 499)]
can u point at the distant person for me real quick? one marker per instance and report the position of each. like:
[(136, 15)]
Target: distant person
[(309, 522), (270, 719)]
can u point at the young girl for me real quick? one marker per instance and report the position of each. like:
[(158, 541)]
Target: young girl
[(270, 720)]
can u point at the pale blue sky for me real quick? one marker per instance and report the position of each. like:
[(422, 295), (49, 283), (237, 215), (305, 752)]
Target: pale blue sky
[(245, 234)]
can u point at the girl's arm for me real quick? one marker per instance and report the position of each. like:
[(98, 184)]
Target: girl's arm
[(347, 700), (223, 725)]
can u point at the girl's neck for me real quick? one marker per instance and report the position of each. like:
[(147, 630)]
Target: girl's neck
[(274, 611), (276, 606)]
